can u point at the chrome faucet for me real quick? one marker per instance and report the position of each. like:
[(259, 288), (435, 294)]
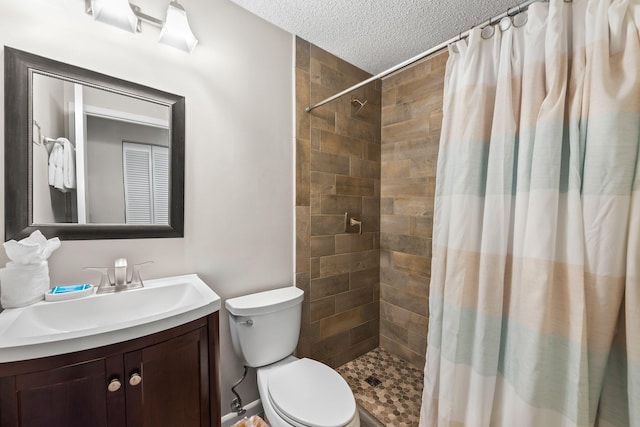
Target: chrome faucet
[(120, 282), (120, 272)]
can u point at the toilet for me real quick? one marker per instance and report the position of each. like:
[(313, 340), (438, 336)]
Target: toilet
[(265, 327)]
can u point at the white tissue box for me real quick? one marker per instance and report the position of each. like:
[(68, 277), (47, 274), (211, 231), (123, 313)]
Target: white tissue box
[(23, 284)]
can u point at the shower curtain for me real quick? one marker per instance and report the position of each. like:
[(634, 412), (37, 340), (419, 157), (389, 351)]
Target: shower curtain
[(535, 289)]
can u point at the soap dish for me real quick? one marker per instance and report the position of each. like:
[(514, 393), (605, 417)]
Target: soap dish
[(60, 293)]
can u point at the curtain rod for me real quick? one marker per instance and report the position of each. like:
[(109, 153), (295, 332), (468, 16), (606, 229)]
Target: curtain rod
[(511, 11)]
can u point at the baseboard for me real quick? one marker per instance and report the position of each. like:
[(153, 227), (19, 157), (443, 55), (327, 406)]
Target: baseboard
[(253, 408)]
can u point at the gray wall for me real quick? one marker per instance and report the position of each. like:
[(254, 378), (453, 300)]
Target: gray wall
[(239, 143)]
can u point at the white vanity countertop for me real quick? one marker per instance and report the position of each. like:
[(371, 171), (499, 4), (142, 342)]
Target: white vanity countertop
[(51, 328)]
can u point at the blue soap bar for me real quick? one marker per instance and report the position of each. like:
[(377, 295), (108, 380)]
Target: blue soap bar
[(70, 288)]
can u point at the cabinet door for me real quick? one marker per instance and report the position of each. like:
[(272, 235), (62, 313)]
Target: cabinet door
[(168, 383), (71, 396)]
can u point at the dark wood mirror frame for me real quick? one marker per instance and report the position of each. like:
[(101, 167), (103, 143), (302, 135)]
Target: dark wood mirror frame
[(18, 69)]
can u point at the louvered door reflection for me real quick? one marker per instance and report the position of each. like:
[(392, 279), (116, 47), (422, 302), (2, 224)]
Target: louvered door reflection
[(146, 182)]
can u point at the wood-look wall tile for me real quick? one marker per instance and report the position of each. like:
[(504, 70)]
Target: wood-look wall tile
[(386, 205), (365, 168), (403, 131), (347, 185), (341, 322), (371, 206), (394, 332), (339, 204), (322, 183), (315, 138), (303, 124), (345, 243), (415, 206), (322, 246), (303, 219), (322, 121), (355, 74), (414, 245), (354, 298), (328, 347), (421, 226), (414, 264), (303, 175), (331, 142), (335, 264), (418, 187), (415, 71), (423, 108), (416, 89), (372, 151), (355, 351), (328, 286), (357, 129), (363, 332), (396, 113), (365, 260), (397, 224), (314, 266), (418, 341), (315, 203), (418, 304), (388, 95), (404, 281), (403, 352), (336, 135), (362, 278), (322, 225), (330, 163), (321, 308), (395, 169), (334, 79), (303, 54), (315, 71), (323, 56), (412, 148), (402, 317)]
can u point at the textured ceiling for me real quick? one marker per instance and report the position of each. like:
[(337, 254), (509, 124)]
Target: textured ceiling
[(376, 34)]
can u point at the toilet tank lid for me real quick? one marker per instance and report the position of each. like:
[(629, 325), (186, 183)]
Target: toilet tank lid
[(265, 302)]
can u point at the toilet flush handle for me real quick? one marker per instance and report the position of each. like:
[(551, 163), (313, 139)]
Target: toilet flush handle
[(248, 322)]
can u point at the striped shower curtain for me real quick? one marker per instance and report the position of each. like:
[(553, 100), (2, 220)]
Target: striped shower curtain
[(535, 290)]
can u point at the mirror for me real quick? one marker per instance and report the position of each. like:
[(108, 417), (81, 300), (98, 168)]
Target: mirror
[(89, 156)]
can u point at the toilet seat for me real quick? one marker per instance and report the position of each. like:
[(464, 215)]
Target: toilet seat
[(307, 393)]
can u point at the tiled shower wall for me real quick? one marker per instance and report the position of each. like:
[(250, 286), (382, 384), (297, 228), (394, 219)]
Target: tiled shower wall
[(337, 171), (411, 122)]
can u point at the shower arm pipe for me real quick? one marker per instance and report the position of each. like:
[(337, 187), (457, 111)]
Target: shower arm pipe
[(509, 12)]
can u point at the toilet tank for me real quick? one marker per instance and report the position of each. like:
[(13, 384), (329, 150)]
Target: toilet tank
[(265, 326)]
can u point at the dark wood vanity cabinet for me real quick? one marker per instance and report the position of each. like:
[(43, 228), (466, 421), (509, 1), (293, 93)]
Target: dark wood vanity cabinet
[(168, 379)]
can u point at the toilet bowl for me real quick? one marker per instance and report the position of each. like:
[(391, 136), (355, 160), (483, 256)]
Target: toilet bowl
[(294, 392), (306, 393)]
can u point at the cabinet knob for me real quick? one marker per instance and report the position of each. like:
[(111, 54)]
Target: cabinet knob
[(135, 379), (114, 385)]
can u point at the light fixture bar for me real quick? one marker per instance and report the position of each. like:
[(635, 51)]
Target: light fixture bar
[(147, 18), (174, 31)]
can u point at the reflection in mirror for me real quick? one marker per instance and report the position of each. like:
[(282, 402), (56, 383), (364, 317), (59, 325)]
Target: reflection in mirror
[(89, 156), (108, 166)]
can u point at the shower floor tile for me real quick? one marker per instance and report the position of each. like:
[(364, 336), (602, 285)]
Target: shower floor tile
[(386, 386)]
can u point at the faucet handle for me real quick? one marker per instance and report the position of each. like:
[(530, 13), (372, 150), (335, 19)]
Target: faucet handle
[(135, 275), (105, 280)]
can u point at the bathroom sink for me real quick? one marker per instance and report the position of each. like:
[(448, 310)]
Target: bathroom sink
[(50, 328)]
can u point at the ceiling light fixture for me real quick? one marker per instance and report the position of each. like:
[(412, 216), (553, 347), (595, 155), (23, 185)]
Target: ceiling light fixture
[(175, 30)]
